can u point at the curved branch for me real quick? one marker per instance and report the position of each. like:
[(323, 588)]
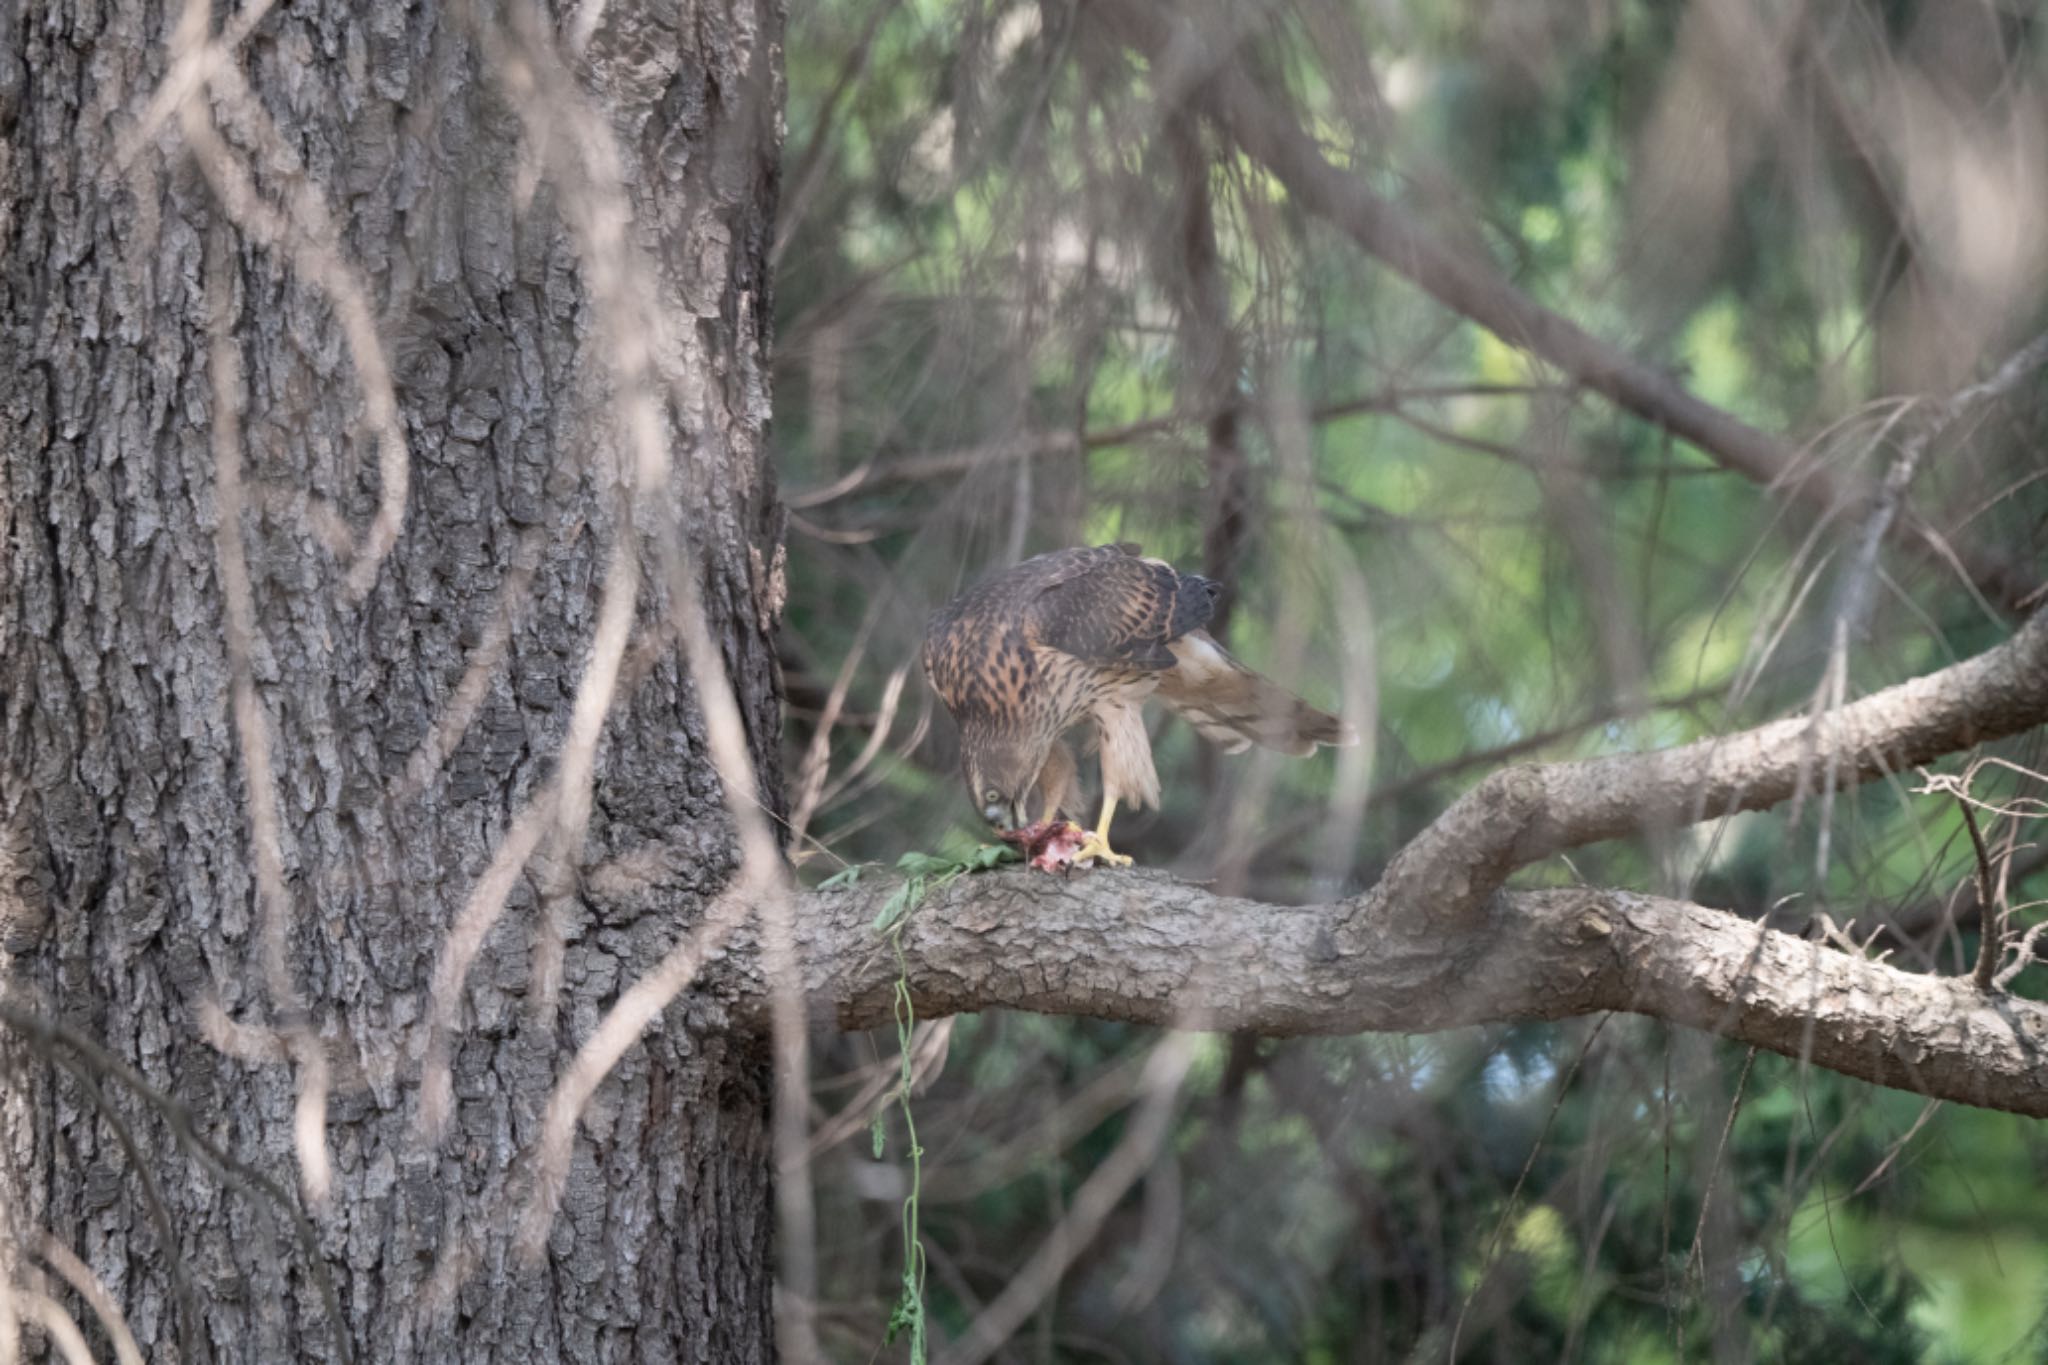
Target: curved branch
[(1521, 815), (1436, 944), (1143, 948)]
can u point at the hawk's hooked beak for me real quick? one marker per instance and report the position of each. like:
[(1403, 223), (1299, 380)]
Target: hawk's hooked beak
[(1004, 815)]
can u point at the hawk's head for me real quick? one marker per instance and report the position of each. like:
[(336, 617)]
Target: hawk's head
[(1001, 766)]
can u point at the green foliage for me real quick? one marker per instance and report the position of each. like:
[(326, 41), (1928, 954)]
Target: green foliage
[(907, 1317), (924, 873), (845, 879)]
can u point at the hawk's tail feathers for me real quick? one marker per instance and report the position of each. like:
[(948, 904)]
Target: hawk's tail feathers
[(1231, 706)]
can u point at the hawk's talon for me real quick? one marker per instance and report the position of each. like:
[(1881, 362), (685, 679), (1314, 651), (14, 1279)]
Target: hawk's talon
[(1094, 846)]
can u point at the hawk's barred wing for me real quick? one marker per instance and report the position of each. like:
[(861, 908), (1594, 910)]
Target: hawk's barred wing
[(979, 650), (1113, 608)]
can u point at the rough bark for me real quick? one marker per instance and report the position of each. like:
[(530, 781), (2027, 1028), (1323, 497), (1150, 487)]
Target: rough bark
[(129, 896), (1143, 948)]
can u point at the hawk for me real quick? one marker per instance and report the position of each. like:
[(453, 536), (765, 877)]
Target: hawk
[(1088, 634)]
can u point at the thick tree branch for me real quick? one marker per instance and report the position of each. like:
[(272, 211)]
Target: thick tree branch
[(1436, 944), (1521, 815), (1143, 948), (1181, 55)]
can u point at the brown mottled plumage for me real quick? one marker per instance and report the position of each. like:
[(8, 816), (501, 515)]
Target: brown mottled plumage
[(1090, 633)]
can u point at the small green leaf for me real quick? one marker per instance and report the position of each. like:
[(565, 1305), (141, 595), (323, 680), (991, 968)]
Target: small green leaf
[(878, 1132), (841, 880), (900, 903), (993, 855), (906, 1314), (925, 864)]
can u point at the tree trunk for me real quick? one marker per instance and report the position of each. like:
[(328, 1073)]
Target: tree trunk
[(130, 884)]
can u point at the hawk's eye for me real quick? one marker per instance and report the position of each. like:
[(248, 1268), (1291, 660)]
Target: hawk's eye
[(992, 796)]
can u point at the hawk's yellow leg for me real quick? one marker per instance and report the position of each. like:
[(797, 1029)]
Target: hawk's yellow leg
[(1096, 844)]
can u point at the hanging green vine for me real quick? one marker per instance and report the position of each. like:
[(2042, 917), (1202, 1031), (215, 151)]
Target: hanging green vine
[(923, 873)]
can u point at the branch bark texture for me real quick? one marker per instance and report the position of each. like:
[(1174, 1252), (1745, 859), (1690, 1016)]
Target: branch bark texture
[(1143, 948)]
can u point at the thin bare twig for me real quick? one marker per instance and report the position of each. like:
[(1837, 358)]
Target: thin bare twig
[(453, 719), (1854, 598), (816, 765), (878, 737), (2023, 951), (1034, 445), (1473, 288), (187, 1314), (809, 165), (930, 1041), (1500, 1227), (1697, 1254), (1100, 1193), (1991, 918), (480, 912)]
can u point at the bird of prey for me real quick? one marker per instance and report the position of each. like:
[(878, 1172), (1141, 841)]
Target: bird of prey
[(1088, 634)]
